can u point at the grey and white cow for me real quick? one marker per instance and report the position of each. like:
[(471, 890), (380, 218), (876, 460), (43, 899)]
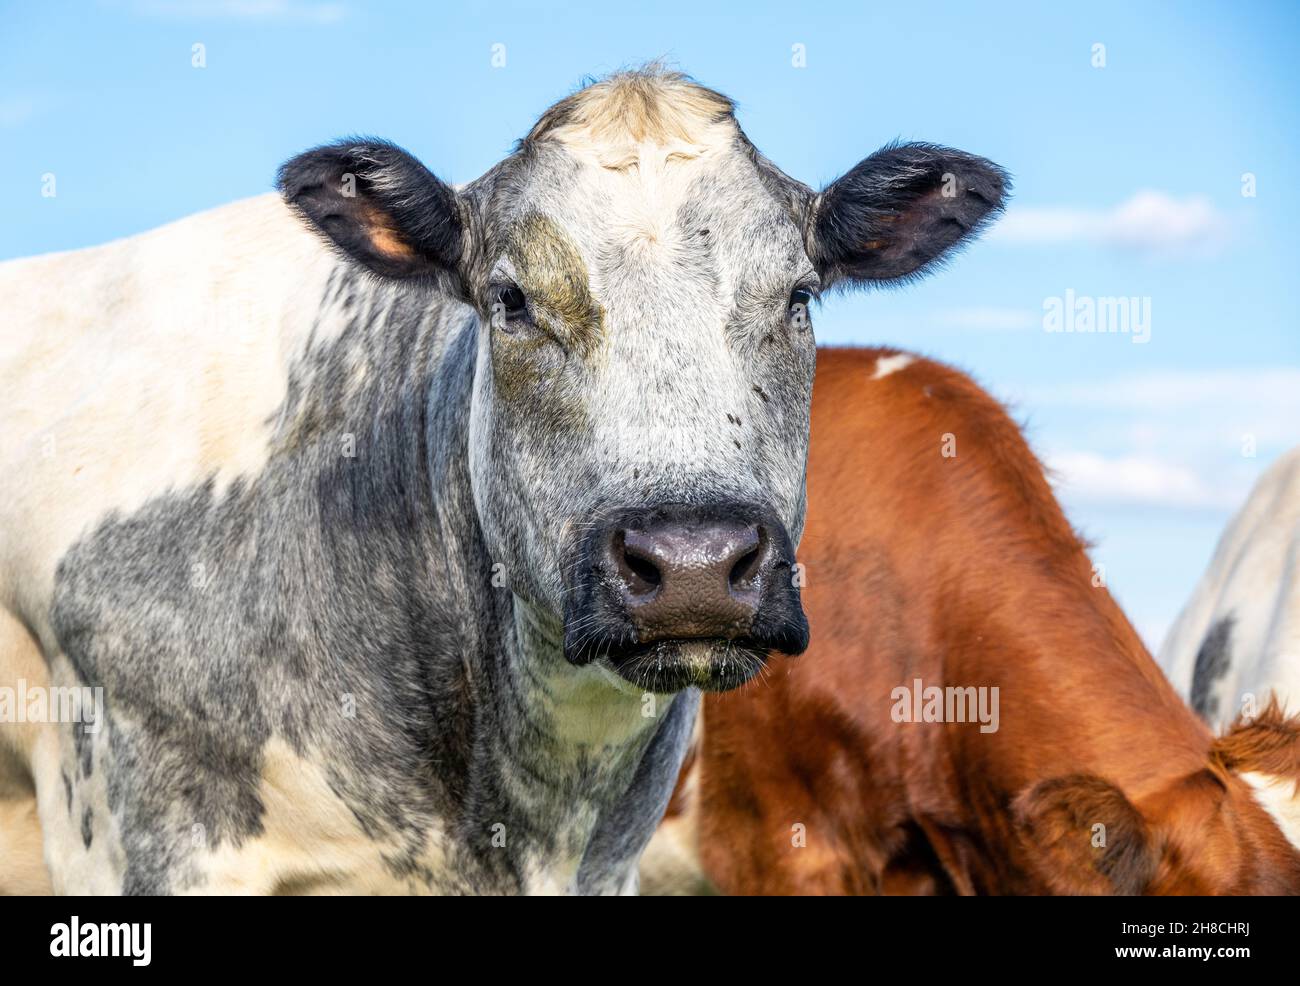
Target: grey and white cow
[(1236, 645), (1238, 638), (394, 526)]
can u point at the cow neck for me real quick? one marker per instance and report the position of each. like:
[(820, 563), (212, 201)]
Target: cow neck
[(578, 709), (553, 745)]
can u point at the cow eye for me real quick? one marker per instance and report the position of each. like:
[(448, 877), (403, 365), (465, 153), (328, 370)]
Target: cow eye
[(509, 302), (800, 299)]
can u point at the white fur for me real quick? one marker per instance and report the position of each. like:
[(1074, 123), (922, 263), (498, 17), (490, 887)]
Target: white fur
[(886, 365), (1278, 796)]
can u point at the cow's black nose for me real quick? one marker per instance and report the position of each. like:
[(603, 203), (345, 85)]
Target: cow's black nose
[(684, 577), (646, 580)]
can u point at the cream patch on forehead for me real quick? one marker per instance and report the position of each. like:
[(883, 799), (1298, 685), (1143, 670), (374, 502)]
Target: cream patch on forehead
[(647, 135), (636, 107)]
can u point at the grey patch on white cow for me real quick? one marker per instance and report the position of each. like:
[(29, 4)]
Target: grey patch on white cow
[(1213, 660)]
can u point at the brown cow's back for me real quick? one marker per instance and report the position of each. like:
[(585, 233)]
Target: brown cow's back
[(935, 550)]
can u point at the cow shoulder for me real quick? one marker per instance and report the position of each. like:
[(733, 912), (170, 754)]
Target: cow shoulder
[(147, 364)]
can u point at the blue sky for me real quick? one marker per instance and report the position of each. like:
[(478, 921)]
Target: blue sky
[(1129, 183)]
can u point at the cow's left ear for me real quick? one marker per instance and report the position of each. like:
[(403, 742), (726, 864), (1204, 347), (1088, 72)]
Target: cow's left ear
[(900, 211), (380, 206)]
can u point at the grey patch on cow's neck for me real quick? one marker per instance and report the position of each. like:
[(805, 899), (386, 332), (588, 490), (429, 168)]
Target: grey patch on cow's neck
[(1213, 660), (216, 621)]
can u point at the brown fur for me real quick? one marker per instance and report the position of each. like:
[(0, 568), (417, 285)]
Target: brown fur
[(963, 571), (1268, 743), (1089, 837)]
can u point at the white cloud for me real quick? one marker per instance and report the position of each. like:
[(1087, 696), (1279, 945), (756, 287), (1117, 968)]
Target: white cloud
[(258, 10), (1139, 479), (990, 319), (1151, 221), (1177, 438), (1171, 407)]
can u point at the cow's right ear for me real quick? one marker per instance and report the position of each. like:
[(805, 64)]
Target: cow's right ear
[(379, 206), (1084, 836)]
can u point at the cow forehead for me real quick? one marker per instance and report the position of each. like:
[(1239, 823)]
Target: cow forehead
[(583, 233), (646, 177)]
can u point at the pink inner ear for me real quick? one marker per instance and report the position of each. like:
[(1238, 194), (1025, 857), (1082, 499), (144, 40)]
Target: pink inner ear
[(384, 238)]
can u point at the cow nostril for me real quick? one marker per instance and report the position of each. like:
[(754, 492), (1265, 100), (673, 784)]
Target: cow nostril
[(747, 566), (643, 570), (640, 573)]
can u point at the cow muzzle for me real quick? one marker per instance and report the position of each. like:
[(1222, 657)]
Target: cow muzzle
[(684, 594)]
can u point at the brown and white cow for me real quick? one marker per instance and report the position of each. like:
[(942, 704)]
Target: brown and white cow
[(975, 713), (385, 523)]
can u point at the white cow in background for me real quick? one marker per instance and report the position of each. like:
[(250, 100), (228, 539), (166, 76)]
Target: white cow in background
[(1238, 637)]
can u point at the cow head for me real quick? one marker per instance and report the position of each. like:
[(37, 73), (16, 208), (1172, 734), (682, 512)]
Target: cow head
[(644, 281)]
